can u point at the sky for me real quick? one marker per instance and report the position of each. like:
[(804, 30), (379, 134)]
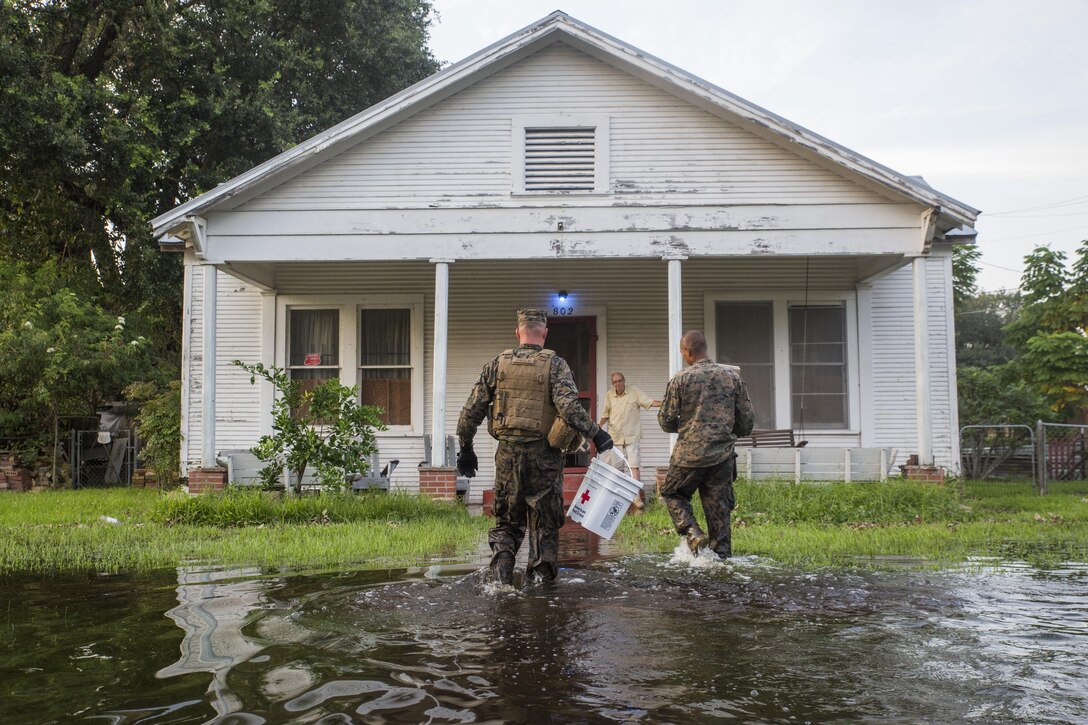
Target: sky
[(988, 100)]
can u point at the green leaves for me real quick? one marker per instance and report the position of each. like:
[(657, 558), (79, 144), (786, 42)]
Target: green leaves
[(318, 424), (60, 353)]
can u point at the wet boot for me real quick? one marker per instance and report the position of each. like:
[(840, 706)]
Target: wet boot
[(502, 567), (696, 539), (723, 548)]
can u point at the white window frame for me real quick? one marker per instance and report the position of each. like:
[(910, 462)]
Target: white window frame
[(601, 145), (348, 307), (781, 301)]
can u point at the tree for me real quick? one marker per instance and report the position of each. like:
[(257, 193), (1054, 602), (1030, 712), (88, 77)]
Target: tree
[(159, 425), (320, 425), (980, 323), (1050, 331), (964, 272), (994, 397), (60, 354), (114, 112)]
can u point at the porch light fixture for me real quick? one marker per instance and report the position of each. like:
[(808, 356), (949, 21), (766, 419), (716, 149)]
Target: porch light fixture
[(562, 295)]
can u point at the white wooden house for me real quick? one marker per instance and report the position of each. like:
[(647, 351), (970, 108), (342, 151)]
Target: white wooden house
[(563, 168)]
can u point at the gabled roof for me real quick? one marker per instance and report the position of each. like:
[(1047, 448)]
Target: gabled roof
[(560, 26)]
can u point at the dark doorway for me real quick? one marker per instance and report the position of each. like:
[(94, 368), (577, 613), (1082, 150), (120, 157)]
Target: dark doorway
[(575, 340)]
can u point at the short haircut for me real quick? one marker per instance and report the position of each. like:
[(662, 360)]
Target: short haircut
[(694, 342), (533, 326), (620, 374)]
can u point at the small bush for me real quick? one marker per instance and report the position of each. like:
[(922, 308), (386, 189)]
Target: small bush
[(253, 508)]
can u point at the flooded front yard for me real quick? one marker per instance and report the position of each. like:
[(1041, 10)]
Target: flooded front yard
[(650, 638)]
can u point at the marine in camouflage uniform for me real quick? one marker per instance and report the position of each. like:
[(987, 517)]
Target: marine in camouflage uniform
[(707, 404), (528, 472)]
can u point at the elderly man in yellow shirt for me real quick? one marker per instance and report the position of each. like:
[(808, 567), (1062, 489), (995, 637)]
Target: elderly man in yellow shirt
[(621, 412)]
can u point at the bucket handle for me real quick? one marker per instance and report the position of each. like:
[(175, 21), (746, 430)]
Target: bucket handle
[(618, 452)]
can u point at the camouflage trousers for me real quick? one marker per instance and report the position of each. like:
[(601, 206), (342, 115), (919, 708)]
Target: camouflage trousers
[(528, 492), (715, 487)]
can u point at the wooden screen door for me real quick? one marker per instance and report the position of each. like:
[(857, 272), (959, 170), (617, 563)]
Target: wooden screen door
[(575, 340)]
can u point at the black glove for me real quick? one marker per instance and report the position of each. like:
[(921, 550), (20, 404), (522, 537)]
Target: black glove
[(602, 440), (467, 463)]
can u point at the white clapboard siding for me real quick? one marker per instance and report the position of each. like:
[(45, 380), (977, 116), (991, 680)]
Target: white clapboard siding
[(458, 151), (192, 374), (894, 385), (942, 362), (894, 415), (238, 337)]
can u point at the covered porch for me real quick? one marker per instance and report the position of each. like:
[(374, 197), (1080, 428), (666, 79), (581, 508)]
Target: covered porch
[(606, 314)]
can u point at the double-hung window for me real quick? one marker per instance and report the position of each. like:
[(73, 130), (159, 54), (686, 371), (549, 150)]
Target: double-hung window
[(818, 382), (314, 347), (385, 362), (796, 358), (374, 343), (745, 335)]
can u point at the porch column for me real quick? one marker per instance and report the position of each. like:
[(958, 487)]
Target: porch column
[(675, 315), (921, 363), (207, 415), (438, 376)]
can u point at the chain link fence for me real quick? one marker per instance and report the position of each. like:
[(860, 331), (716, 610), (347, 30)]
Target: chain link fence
[(1063, 458), (1051, 458), (999, 457)]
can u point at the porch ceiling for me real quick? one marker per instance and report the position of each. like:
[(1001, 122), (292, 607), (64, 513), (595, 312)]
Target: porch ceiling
[(738, 273)]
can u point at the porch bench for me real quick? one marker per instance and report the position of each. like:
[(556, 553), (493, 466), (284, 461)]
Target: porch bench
[(244, 469), (777, 438), (373, 480)]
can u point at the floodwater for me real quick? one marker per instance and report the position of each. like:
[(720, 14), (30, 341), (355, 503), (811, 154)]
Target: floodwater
[(646, 638)]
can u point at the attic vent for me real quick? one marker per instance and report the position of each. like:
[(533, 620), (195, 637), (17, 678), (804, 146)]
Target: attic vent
[(560, 158)]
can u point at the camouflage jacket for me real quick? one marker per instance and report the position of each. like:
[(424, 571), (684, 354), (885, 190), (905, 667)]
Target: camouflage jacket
[(708, 405), (564, 398)]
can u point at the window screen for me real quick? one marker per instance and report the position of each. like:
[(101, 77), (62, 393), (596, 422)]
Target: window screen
[(745, 337), (818, 366)]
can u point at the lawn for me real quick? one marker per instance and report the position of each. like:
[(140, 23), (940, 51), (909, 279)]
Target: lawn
[(856, 524), (865, 523)]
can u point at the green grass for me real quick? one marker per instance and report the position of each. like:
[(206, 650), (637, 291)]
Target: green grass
[(868, 523), (64, 531), (864, 524)]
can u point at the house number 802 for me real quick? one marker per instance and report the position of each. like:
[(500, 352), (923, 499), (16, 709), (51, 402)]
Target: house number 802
[(560, 311)]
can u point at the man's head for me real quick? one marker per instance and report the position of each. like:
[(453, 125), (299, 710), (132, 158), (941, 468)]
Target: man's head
[(692, 346), (532, 327), (618, 383)]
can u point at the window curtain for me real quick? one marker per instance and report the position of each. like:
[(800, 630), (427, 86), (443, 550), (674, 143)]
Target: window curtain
[(315, 331), (385, 340)]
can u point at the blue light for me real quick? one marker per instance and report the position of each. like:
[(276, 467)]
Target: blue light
[(562, 295)]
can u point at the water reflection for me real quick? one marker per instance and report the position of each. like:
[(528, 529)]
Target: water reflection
[(213, 607), (650, 638)]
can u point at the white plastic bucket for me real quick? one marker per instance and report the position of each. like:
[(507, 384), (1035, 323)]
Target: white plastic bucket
[(603, 498)]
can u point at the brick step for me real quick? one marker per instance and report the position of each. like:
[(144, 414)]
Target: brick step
[(571, 482)]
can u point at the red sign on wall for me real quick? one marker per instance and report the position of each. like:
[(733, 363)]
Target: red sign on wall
[(312, 358)]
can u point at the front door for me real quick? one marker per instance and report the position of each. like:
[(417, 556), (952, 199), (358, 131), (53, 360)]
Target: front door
[(575, 340)]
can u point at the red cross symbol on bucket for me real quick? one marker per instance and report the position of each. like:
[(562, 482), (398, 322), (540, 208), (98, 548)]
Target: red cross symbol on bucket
[(585, 496)]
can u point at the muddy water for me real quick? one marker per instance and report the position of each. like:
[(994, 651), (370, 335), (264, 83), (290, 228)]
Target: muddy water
[(648, 638)]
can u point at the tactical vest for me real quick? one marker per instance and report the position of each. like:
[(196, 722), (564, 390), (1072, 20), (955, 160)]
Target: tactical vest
[(523, 402)]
